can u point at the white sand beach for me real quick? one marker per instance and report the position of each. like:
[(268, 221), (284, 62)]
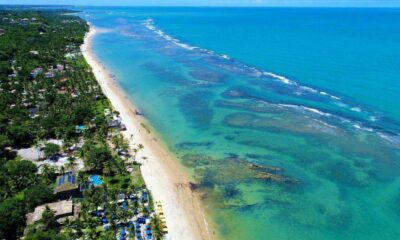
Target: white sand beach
[(162, 173)]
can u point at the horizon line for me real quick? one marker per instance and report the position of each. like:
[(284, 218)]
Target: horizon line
[(196, 6)]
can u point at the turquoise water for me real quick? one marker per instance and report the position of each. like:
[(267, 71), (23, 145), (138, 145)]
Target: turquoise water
[(288, 119), (95, 180)]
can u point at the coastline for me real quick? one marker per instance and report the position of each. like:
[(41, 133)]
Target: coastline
[(162, 173)]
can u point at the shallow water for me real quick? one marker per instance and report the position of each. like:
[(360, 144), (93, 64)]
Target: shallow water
[(313, 156)]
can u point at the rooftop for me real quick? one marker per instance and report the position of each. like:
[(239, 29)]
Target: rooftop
[(66, 182), (61, 209)]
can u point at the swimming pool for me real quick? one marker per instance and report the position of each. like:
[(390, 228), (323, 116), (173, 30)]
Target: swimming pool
[(95, 180)]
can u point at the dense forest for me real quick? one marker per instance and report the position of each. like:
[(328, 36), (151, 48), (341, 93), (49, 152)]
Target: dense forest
[(47, 92)]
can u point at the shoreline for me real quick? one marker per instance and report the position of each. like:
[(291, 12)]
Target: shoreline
[(161, 171)]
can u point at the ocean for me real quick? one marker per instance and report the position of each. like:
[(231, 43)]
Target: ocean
[(288, 119)]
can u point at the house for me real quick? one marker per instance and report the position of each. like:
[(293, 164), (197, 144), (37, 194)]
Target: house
[(2, 32), (33, 112), (13, 75), (67, 186), (62, 90), (113, 123), (49, 75), (70, 55), (34, 52), (121, 197), (62, 210), (36, 72), (85, 186), (60, 67), (117, 118)]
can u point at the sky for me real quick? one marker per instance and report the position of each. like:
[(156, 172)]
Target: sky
[(283, 3)]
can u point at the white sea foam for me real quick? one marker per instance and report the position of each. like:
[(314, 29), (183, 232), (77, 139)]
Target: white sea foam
[(341, 104), (298, 107), (355, 109), (308, 89), (357, 125), (334, 97), (331, 96), (325, 124), (149, 24), (393, 139), (373, 118), (280, 78), (342, 119), (225, 56), (362, 128), (368, 129), (316, 111)]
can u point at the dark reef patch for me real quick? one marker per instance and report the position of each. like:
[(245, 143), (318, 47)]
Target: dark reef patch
[(166, 74), (258, 156), (229, 137), (343, 173), (256, 106), (283, 122), (196, 160), (297, 213), (207, 75), (196, 107), (236, 93), (395, 203), (232, 170), (230, 191), (232, 155), (187, 145)]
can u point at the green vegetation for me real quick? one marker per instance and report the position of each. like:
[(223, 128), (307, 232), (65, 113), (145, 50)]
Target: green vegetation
[(32, 108), (46, 228), (47, 92), (21, 191), (50, 149)]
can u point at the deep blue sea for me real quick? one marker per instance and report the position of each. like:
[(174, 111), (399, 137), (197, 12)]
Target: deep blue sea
[(288, 119)]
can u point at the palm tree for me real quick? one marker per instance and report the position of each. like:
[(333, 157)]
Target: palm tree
[(117, 141), (66, 146), (39, 146), (62, 170), (81, 177), (124, 145), (157, 227), (135, 151), (48, 172), (71, 162)]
